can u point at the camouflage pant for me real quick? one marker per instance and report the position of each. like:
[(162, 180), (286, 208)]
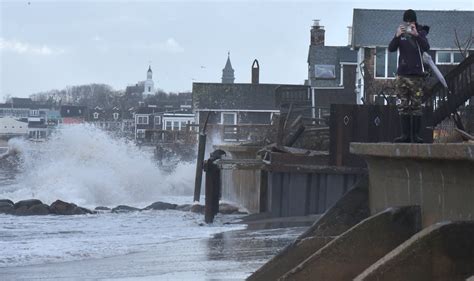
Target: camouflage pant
[(410, 92)]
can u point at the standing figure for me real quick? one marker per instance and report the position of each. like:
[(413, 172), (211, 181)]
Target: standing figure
[(410, 40)]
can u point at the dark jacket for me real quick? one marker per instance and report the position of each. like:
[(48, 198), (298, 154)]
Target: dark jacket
[(409, 61)]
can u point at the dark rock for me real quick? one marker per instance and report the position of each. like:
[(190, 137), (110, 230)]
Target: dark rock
[(161, 206), (87, 211), (102, 208), (124, 209), (34, 210), (196, 208), (6, 207), (7, 201), (227, 209), (64, 208), (27, 203)]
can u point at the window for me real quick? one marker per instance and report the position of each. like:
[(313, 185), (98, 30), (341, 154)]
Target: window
[(34, 112), (157, 120), (457, 57), (116, 115), (96, 115), (149, 89), (385, 63), (229, 118), (142, 120), (168, 125), (176, 125), (140, 134), (183, 125), (324, 71), (448, 57)]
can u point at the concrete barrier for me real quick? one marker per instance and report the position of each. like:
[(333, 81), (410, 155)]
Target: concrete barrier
[(349, 254), (437, 177), (348, 211), (444, 251)]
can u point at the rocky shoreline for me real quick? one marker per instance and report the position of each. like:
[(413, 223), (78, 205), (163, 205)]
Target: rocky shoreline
[(35, 207)]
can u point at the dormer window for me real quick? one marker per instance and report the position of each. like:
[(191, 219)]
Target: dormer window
[(324, 71), (96, 115)]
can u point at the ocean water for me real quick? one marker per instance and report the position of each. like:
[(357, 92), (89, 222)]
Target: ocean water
[(84, 165)]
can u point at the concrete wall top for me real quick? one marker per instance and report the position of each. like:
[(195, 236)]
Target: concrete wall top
[(239, 151), (448, 151), (240, 164)]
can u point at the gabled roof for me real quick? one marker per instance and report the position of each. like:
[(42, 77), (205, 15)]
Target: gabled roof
[(21, 102), (377, 27), (331, 55), (236, 96)]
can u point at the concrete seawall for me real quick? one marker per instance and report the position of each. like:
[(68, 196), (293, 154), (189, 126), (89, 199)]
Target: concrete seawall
[(348, 211), (420, 226), (437, 177)]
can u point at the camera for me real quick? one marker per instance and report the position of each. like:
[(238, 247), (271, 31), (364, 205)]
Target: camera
[(408, 28)]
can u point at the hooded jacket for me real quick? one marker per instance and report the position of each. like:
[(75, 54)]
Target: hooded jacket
[(409, 61)]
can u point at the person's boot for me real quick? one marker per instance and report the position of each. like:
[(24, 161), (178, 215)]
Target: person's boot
[(417, 129), (405, 125)]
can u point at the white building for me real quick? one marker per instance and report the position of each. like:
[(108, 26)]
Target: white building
[(10, 127), (177, 121), (149, 85)]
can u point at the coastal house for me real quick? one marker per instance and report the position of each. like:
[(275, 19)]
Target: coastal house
[(237, 105), (109, 119), (377, 66), (11, 127), (331, 71), (144, 122), (35, 114), (72, 114), (178, 120)]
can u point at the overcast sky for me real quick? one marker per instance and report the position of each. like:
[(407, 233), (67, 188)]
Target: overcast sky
[(48, 45)]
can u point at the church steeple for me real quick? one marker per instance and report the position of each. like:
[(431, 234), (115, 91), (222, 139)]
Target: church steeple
[(228, 72), (149, 73), (149, 85)]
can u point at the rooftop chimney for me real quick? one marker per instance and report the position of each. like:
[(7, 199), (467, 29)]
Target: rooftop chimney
[(349, 30), (255, 72), (317, 34)]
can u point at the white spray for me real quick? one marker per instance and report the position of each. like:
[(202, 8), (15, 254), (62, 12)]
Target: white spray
[(84, 165)]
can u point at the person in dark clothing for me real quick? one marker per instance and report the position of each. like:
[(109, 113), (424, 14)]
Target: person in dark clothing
[(410, 40)]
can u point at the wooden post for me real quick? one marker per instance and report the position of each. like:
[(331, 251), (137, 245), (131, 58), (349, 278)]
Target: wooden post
[(281, 129), (294, 137), (199, 163), (213, 182), (200, 160), (212, 191)]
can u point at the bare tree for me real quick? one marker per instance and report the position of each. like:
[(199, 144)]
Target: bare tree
[(465, 46)]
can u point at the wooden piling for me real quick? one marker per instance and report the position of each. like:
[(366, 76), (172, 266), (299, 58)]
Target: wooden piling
[(200, 160), (213, 179)]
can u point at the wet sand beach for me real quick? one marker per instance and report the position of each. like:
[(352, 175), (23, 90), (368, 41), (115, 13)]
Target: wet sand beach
[(231, 255)]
